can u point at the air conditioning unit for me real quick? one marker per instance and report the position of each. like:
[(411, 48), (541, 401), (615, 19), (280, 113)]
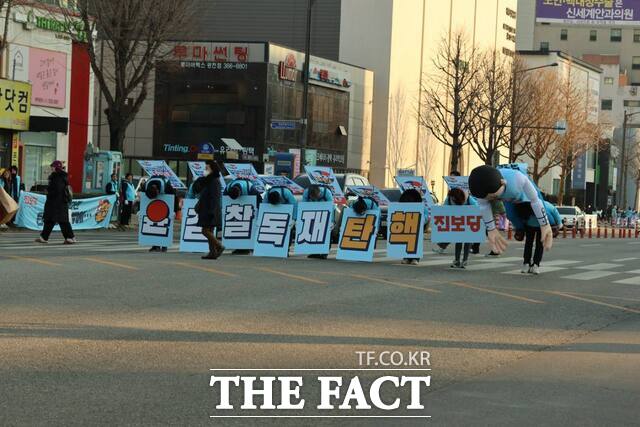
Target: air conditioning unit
[(633, 91)]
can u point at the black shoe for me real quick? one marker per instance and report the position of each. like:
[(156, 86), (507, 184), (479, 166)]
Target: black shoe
[(154, 249), (210, 256), (241, 252), (163, 249)]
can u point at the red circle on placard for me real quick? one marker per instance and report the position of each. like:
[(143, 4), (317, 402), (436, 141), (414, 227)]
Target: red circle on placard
[(157, 211)]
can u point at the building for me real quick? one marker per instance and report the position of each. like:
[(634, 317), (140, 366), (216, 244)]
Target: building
[(604, 33), (40, 53), (209, 92)]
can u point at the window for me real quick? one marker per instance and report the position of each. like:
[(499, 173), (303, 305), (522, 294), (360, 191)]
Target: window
[(607, 105), (544, 46), (635, 62), (564, 34), (616, 35), (593, 35), (636, 36), (608, 80), (631, 103)]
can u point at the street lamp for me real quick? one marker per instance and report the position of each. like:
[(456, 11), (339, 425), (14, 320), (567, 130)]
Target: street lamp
[(512, 133), (623, 177), (305, 80)]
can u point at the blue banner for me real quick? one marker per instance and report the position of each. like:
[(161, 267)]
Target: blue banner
[(84, 214), (238, 222), (313, 228), (191, 238), (274, 230), (457, 224), (405, 230), (579, 179), (156, 218), (358, 235)]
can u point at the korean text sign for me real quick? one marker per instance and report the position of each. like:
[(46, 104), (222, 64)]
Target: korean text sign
[(156, 220), (273, 230), (15, 104), (457, 224), (245, 171), (282, 181), (417, 183), (461, 182), (620, 12), (239, 222), (405, 230), (313, 228), (358, 235), (191, 238), (48, 74), (325, 176), (371, 191), (161, 168)]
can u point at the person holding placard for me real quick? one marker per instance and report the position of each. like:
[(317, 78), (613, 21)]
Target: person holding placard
[(318, 193), (242, 187), (412, 195), (459, 197), (155, 186)]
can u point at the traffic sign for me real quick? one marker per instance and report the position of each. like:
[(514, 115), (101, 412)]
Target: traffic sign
[(284, 124), (561, 127)]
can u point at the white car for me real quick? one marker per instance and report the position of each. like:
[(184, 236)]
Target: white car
[(572, 216)]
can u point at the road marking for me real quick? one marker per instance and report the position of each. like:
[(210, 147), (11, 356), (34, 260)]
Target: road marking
[(633, 243), (570, 293), (590, 275), (112, 264), (504, 294), (389, 282), (487, 266), (589, 245), (543, 269), (623, 259), (632, 272), (292, 276), (207, 269), (601, 266), (434, 262), (499, 259), (36, 260), (631, 281), (561, 262), (619, 307)]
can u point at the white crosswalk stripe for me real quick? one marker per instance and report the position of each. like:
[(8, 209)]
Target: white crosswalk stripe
[(590, 275), (600, 266), (631, 281)]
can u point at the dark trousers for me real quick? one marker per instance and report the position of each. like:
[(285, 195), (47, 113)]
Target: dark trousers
[(459, 250), (125, 215), (65, 227), (214, 244), (531, 234)]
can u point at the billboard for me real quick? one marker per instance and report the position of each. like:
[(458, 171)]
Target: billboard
[(589, 12)]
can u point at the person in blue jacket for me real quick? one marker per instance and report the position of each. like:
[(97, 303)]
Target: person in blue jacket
[(319, 193), (527, 228), (459, 197), (280, 195), (487, 183), (128, 196), (237, 188)]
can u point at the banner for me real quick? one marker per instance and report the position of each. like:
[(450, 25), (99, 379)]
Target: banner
[(325, 176), (274, 230), (245, 171), (405, 233), (197, 169), (418, 183), (589, 12), (358, 235), (156, 220), (84, 214), (457, 182), (371, 191), (579, 173), (191, 238), (238, 222), (161, 168), (457, 224), (313, 228), (282, 181)]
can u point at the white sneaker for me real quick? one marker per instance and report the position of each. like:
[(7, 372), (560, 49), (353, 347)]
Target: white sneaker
[(41, 240), (525, 268), (438, 250), (534, 269), (70, 241)]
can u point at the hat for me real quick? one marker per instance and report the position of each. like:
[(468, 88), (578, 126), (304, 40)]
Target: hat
[(57, 165)]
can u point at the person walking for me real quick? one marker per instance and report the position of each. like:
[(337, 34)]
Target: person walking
[(128, 197), (56, 207), (209, 208)]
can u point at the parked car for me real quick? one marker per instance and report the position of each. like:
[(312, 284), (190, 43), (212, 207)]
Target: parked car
[(572, 216)]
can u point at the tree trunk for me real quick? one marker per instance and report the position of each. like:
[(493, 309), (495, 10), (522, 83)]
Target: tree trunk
[(455, 157), (635, 206), (561, 189), (117, 133)]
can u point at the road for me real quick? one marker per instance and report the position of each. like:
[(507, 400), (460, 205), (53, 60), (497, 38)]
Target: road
[(105, 333)]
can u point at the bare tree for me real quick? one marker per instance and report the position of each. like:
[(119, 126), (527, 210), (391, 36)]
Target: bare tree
[(397, 130), (631, 164), (426, 155), (491, 111), (133, 34), (450, 93)]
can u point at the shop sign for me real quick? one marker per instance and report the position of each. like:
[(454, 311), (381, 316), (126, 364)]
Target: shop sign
[(47, 23), (15, 150), (237, 66), (218, 52), (15, 104), (287, 68)]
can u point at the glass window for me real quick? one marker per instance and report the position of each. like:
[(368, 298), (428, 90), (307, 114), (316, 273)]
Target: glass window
[(616, 35), (608, 80), (607, 105), (564, 34), (544, 45), (636, 36), (635, 63), (593, 35), (631, 103)]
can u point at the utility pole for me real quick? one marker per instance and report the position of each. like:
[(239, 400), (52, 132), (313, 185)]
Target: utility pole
[(622, 161), (305, 80)]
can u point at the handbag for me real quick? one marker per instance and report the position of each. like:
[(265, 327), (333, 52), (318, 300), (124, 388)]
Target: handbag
[(8, 207)]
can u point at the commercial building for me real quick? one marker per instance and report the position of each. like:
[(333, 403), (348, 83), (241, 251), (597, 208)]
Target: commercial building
[(58, 70), (207, 94), (605, 33)]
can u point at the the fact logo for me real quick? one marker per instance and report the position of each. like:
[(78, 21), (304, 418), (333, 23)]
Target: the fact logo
[(321, 396)]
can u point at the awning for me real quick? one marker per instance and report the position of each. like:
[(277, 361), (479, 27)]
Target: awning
[(232, 143), (48, 124)]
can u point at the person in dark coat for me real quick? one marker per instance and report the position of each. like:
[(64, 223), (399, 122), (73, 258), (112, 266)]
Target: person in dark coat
[(56, 208), (209, 208)]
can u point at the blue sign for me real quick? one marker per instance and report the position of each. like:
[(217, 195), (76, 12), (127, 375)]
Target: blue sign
[(155, 226), (191, 237), (84, 214), (579, 180), (273, 231), (238, 222), (405, 230), (284, 124), (522, 167), (358, 235), (457, 224), (313, 228)]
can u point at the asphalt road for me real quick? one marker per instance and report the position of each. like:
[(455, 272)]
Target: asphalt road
[(105, 333)]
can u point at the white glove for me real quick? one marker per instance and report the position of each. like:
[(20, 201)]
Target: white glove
[(497, 242), (546, 235)]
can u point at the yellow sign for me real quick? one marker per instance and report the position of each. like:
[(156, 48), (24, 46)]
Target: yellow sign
[(15, 150), (15, 104)]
